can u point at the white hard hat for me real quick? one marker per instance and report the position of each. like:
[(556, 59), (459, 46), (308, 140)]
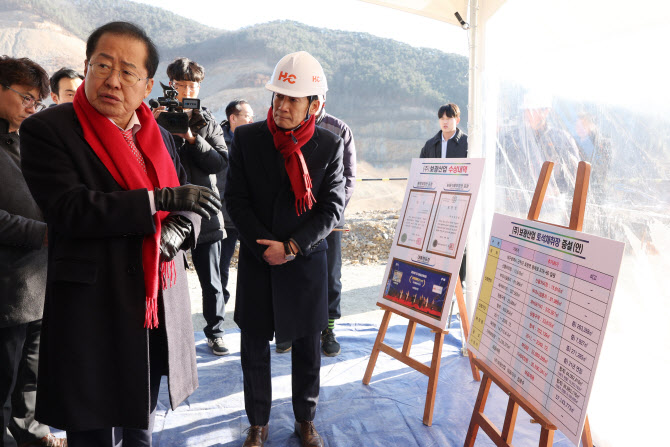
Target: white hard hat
[(298, 75)]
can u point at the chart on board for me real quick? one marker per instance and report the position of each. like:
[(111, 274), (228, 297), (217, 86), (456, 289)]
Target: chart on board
[(542, 311)]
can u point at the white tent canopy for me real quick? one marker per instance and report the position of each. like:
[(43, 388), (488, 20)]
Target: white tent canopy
[(598, 59)]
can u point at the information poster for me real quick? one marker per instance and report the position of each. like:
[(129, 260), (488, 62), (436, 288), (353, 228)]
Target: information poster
[(448, 225), (542, 312), (415, 219), (430, 237)]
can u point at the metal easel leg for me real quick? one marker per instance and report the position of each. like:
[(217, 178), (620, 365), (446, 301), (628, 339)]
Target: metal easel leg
[(451, 311), (464, 336)]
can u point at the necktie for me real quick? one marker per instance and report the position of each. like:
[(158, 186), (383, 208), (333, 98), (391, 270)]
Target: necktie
[(128, 136)]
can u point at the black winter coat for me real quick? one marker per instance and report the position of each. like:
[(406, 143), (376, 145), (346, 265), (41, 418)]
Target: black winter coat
[(94, 352), (23, 258), (457, 146), (221, 176), (291, 299), (202, 161)]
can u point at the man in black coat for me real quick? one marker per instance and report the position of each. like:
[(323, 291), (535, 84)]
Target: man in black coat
[(449, 142), (113, 193), (285, 193), (23, 257), (329, 344), (203, 153)]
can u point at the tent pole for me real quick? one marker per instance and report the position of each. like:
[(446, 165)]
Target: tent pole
[(476, 241)]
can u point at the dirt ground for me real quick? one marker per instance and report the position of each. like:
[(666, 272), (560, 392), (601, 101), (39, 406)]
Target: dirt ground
[(377, 194)]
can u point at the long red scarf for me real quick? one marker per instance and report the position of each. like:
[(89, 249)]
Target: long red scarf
[(107, 142), (289, 143)]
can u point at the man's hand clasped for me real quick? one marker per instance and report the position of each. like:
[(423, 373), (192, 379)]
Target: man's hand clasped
[(199, 199), (275, 254)]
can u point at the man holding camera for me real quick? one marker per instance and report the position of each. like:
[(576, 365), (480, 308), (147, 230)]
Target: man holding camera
[(203, 153)]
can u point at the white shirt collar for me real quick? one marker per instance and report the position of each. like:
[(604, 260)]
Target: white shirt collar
[(451, 137), (134, 124)]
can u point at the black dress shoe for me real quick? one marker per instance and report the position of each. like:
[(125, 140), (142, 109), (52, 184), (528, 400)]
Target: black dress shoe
[(309, 437), (256, 436)]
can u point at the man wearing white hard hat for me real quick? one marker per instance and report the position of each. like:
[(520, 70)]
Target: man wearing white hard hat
[(536, 137), (285, 193)]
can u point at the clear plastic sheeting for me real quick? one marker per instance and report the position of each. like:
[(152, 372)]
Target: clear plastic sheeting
[(567, 81)]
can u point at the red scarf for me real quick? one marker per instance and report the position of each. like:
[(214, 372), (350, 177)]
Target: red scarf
[(108, 144), (289, 143)]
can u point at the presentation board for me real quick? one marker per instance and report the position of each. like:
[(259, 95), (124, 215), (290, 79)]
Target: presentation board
[(426, 253), (542, 311)]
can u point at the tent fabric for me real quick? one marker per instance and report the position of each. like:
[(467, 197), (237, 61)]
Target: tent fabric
[(442, 10)]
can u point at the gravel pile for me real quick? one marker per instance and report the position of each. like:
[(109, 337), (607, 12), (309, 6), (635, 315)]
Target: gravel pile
[(368, 240)]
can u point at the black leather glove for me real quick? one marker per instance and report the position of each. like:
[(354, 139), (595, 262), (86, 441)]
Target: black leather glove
[(176, 232), (198, 199)]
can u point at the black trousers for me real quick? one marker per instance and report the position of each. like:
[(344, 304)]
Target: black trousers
[(334, 257), (305, 379), (19, 356), (206, 260), (131, 437), (227, 252)]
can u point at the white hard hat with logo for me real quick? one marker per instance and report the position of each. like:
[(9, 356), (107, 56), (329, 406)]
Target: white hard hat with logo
[(298, 75)]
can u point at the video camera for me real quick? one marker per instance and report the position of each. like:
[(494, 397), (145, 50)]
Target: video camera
[(174, 119)]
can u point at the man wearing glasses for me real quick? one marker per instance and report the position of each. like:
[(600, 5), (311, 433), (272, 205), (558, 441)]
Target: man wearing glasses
[(23, 257), (238, 113), (203, 153), (119, 213)]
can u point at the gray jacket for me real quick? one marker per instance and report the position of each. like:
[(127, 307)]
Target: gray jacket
[(23, 258), (342, 130)]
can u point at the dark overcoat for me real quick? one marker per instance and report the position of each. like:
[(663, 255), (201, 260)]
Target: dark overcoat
[(23, 256), (291, 299), (457, 146), (94, 353)]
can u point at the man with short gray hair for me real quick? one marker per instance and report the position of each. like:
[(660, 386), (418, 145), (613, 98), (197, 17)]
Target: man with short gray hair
[(120, 213)]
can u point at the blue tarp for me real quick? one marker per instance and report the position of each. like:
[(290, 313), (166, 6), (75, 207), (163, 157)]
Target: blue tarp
[(388, 412)]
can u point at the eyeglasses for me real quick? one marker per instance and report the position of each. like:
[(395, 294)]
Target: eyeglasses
[(28, 101), (246, 115), (103, 71), (193, 87)]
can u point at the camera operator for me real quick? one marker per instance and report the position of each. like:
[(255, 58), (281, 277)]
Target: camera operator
[(203, 153)]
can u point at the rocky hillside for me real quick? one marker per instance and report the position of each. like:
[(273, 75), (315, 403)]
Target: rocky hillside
[(387, 91)]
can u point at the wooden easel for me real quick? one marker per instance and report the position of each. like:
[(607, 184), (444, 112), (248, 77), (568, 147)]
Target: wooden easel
[(432, 371), (504, 438)]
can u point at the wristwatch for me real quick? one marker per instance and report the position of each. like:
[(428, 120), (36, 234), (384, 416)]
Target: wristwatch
[(288, 252)]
